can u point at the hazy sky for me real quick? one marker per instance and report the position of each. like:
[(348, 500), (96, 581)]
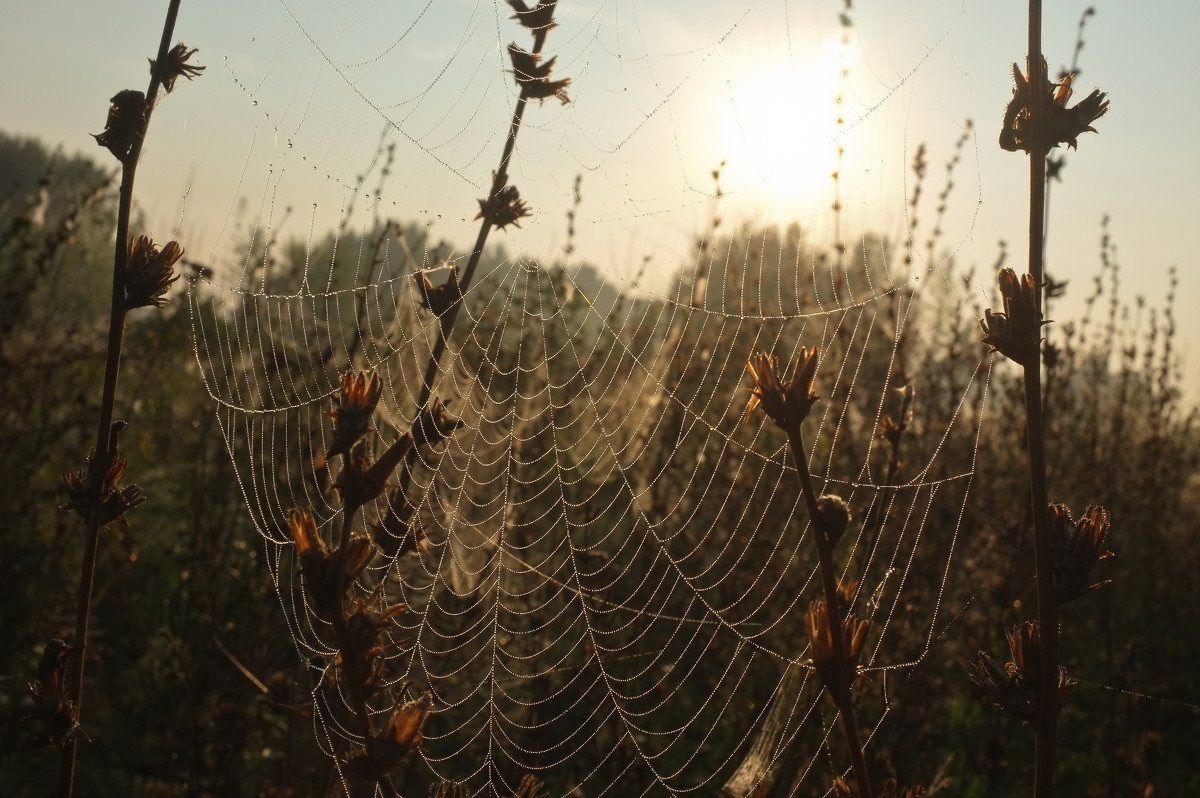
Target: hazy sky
[(298, 96)]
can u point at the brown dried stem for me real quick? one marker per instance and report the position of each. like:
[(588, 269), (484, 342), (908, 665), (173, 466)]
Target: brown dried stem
[(116, 336)]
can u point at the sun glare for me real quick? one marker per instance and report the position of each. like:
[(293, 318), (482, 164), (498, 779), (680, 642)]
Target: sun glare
[(780, 131)]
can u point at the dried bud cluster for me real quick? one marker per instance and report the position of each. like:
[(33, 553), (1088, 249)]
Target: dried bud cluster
[(538, 19), (1076, 547), (1014, 687), (55, 713), (1015, 332), (833, 516), (149, 272), (534, 77), (362, 651), (1061, 125), (786, 402)]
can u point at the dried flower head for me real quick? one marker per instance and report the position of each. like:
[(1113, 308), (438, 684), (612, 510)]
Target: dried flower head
[(439, 299), (319, 562), (786, 402), (534, 77), (1016, 332), (175, 66), (361, 656), (820, 637), (531, 787), (357, 399), (1061, 125), (1076, 547), (503, 207), (401, 736), (126, 123), (1014, 687), (149, 272), (540, 18)]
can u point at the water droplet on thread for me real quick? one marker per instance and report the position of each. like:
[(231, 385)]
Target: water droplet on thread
[(254, 103)]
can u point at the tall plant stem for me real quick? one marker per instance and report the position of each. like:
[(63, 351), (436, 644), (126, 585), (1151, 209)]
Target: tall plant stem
[(829, 586), (1047, 706), (112, 365)]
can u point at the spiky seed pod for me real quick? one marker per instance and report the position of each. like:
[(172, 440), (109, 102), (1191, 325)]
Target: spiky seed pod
[(819, 626), (503, 208), (1062, 125), (1016, 332), (401, 736), (1014, 687), (440, 299)]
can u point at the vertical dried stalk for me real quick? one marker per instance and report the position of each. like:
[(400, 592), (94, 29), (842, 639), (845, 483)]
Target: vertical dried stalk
[(1046, 726), (104, 441)]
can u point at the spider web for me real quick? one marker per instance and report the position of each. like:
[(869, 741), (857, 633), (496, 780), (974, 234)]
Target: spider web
[(607, 566)]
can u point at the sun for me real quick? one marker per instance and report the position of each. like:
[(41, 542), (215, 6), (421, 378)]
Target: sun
[(780, 132)]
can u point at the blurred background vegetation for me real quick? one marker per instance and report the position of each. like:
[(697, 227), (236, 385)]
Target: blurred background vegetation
[(195, 687)]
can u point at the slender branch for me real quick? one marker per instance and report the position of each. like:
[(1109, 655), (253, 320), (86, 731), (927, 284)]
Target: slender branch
[(1047, 705), (112, 364), (842, 677)]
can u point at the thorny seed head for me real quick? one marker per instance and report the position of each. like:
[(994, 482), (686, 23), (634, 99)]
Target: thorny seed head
[(540, 18), (357, 399), (534, 77), (1016, 332), (175, 66), (149, 272), (1075, 548), (786, 402), (83, 484), (820, 637), (363, 643), (1061, 125), (125, 125), (503, 207), (1014, 687)]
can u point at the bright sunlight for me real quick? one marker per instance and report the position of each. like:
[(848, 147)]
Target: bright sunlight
[(780, 130)]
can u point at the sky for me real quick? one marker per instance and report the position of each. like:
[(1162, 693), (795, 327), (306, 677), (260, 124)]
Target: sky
[(298, 98)]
